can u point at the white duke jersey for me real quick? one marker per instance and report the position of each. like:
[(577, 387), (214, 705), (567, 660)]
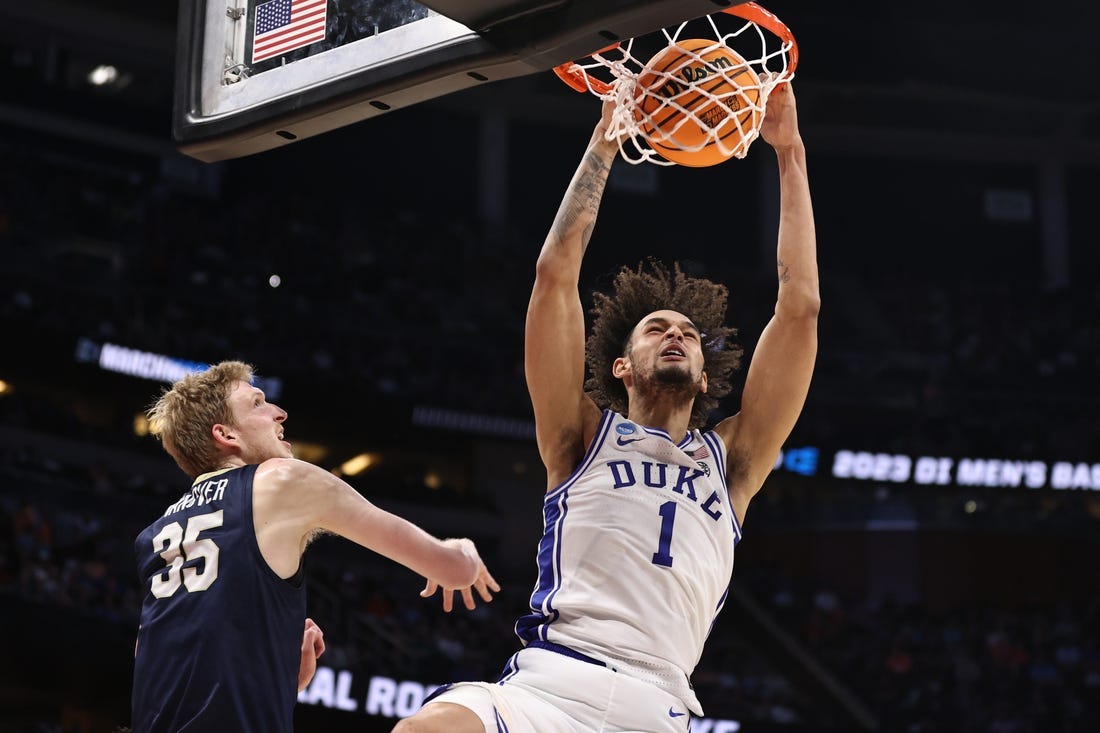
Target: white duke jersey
[(636, 554)]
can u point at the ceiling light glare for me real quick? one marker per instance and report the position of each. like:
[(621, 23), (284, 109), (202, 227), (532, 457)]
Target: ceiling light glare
[(102, 75)]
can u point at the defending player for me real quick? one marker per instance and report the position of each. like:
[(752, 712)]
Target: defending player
[(221, 645)]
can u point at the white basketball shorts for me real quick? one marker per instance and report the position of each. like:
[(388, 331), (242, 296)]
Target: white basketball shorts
[(545, 691)]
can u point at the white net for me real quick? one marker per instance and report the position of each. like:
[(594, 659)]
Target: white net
[(693, 94)]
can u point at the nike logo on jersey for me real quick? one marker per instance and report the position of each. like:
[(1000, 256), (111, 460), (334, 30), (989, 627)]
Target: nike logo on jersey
[(623, 441), (673, 714)]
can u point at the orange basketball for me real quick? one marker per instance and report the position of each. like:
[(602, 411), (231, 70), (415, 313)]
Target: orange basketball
[(675, 80)]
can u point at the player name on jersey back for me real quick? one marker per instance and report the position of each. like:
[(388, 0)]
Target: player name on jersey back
[(201, 493)]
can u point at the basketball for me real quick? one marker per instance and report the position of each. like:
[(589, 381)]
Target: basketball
[(693, 94)]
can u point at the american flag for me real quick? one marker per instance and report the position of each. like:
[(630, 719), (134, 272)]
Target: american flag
[(284, 25)]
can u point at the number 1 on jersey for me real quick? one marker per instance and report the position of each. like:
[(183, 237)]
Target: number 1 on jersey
[(663, 556)]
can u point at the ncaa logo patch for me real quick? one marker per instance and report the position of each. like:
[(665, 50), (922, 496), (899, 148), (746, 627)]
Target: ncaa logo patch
[(625, 428)]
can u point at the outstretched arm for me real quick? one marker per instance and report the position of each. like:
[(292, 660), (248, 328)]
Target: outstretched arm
[(778, 378), (292, 500), (565, 418)]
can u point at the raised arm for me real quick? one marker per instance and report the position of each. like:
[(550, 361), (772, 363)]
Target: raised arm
[(565, 418), (292, 500), (779, 374)]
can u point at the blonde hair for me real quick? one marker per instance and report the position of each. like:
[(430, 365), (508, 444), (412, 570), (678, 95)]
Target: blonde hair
[(184, 414)]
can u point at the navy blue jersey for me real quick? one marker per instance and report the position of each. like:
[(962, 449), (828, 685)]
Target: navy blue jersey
[(221, 633)]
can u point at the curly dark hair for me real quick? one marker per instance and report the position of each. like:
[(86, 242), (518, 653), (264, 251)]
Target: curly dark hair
[(639, 291)]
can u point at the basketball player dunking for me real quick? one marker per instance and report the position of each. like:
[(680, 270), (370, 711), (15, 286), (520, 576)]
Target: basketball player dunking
[(643, 510)]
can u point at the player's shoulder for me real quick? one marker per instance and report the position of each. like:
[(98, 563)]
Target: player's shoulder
[(564, 446), (728, 431), (279, 471)]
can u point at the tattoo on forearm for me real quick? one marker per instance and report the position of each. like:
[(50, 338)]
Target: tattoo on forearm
[(586, 235), (583, 198), (784, 271)]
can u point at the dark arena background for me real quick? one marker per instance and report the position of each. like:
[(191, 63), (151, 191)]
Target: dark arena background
[(924, 555)]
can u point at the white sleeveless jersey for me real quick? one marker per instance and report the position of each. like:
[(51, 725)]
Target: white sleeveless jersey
[(636, 554)]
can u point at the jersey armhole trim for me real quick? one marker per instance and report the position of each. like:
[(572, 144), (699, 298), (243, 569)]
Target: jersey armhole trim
[(295, 581), (597, 442), (719, 448)]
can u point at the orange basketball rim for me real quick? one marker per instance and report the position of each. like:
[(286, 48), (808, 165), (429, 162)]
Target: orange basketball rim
[(614, 73)]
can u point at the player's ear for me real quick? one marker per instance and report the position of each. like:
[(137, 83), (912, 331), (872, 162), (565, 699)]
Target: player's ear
[(620, 368), (703, 383), (223, 434)]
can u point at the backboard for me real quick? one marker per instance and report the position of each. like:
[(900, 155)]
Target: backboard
[(257, 74)]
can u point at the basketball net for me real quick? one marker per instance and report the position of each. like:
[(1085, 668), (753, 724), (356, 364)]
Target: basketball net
[(765, 55)]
